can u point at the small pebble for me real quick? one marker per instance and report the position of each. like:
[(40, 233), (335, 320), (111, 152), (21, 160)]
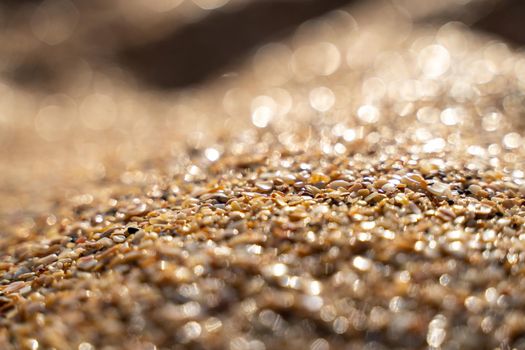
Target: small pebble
[(339, 183)]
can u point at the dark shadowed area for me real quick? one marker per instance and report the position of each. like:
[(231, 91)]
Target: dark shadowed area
[(204, 49)]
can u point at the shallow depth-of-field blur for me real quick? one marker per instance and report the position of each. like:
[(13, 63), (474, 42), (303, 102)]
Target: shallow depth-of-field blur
[(94, 89)]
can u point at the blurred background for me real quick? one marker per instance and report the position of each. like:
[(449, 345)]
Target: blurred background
[(90, 90), (175, 44)]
